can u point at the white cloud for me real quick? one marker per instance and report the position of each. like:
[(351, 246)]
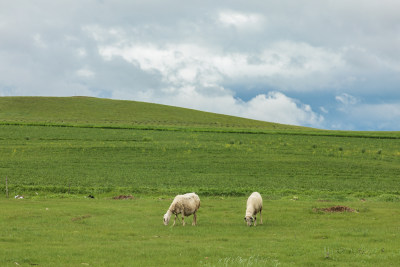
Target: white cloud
[(240, 20), (193, 76), (276, 107), (285, 65), (347, 99), (179, 64)]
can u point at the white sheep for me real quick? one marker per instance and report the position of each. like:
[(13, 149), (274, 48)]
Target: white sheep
[(186, 205), (254, 206)]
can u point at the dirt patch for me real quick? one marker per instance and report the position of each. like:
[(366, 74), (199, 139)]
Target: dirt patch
[(336, 209), (123, 197)]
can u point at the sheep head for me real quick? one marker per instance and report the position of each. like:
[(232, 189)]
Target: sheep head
[(167, 217), (249, 220)]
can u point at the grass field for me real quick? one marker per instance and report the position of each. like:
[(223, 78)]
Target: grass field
[(87, 160), (106, 232), (57, 151), (86, 111)]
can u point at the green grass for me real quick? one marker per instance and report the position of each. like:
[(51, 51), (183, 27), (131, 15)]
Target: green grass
[(106, 113), (106, 232), (86, 160), (87, 111), (56, 151)]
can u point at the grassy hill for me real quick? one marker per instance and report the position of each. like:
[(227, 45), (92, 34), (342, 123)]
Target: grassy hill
[(153, 152), (106, 113), (111, 144), (80, 111)]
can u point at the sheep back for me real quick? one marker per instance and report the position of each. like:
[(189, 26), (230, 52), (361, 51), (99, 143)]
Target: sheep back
[(254, 204), (188, 204)]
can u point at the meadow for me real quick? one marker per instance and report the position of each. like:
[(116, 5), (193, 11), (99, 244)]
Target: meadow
[(57, 151), (90, 160), (107, 232)]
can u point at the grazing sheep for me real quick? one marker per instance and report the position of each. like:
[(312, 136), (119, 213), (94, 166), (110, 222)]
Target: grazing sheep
[(254, 205), (186, 205)]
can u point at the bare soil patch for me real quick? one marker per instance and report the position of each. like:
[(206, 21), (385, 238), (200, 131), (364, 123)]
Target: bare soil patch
[(336, 209), (123, 197)]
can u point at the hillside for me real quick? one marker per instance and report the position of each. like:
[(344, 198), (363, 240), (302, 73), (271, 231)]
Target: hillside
[(118, 113), (111, 146), (90, 112)]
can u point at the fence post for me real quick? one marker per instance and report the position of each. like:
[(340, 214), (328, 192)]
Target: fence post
[(6, 186)]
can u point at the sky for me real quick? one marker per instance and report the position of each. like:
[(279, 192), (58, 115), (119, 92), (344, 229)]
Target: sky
[(332, 64)]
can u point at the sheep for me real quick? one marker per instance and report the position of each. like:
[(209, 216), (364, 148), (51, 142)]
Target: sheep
[(186, 205), (254, 205)]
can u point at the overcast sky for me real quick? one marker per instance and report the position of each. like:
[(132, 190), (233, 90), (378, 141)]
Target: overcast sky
[(325, 64)]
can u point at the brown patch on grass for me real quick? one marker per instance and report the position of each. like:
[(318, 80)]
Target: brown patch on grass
[(123, 197), (336, 209)]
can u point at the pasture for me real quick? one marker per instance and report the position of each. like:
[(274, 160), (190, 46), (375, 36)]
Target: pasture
[(56, 159), (90, 160), (107, 232)]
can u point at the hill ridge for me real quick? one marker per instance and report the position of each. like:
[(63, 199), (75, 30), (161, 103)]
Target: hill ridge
[(92, 112)]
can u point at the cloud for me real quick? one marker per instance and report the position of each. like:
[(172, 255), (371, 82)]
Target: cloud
[(385, 112), (373, 117), (283, 65), (276, 107), (358, 114), (193, 76), (347, 99), (324, 110), (228, 57), (272, 107), (242, 21)]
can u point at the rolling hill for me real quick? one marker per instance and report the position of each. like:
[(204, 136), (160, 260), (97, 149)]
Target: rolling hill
[(83, 142), (90, 112), (55, 152), (79, 111)]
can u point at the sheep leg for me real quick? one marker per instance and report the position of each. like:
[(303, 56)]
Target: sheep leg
[(260, 217), (255, 220), (194, 219), (183, 219), (175, 219)]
